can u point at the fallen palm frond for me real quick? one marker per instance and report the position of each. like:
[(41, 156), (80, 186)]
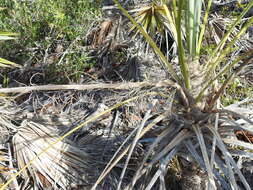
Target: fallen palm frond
[(7, 168), (119, 155), (119, 86), (50, 143), (218, 26), (62, 166)]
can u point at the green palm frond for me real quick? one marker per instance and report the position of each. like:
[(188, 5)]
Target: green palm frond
[(6, 63), (153, 19), (152, 43), (8, 35)]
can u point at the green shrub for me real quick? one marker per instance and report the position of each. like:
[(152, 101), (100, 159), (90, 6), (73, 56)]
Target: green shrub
[(42, 26)]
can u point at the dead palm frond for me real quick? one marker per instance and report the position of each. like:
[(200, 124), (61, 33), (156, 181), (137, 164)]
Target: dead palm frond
[(7, 169), (72, 163), (105, 38), (218, 26), (63, 166), (195, 141)]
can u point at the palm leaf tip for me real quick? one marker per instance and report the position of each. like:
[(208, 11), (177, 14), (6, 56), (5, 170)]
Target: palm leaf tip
[(7, 36)]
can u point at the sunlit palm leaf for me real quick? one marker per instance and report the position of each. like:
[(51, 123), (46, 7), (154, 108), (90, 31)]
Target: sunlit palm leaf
[(192, 25), (7, 36), (6, 63), (153, 18)]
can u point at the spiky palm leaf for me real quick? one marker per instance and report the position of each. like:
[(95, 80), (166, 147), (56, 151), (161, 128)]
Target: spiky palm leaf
[(157, 19), (153, 19)]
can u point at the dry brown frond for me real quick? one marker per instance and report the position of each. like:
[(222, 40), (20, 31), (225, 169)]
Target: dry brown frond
[(62, 166)]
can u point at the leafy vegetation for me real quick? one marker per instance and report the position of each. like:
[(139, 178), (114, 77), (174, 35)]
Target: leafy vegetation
[(237, 91), (49, 32)]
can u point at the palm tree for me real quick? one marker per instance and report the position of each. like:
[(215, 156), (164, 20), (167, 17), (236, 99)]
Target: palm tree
[(197, 102)]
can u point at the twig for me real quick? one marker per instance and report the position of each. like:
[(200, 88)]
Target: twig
[(116, 86)]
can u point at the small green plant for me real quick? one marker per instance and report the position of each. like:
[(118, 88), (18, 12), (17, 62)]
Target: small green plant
[(75, 66), (236, 92)]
